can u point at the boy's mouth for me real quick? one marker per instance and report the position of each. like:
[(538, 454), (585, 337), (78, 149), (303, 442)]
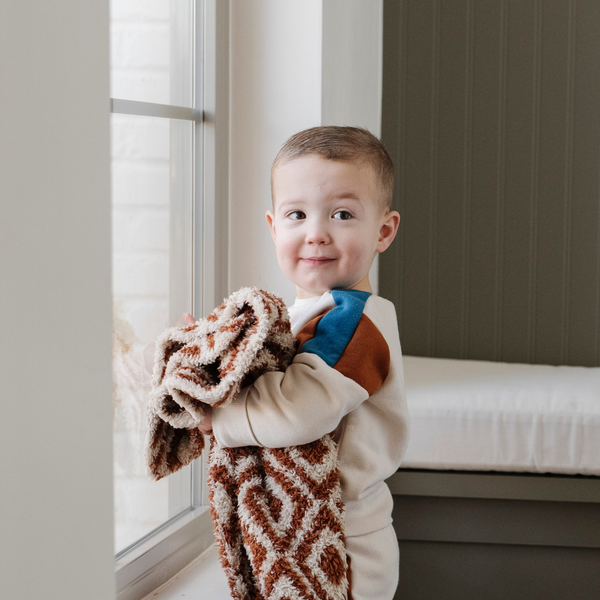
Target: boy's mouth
[(316, 261)]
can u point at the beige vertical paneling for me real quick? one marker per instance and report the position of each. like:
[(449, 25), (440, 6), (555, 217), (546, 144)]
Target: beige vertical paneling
[(394, 111), (584, 282), (519, 195), (568, 192), (415, 121), (450, 194), (551, 252), (501, 179), (485, 173), (491, 112)]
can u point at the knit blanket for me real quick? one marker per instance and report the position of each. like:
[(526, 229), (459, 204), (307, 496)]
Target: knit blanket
[(277, 513)]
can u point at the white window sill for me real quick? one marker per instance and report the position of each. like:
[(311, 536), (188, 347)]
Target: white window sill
[(202, 579), (169, 551)]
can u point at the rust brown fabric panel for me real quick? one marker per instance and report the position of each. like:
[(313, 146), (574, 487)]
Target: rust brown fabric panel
[(366, 360), (308, 331), (491, 113)]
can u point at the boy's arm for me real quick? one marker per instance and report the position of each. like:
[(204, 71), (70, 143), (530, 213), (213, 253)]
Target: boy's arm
[(297, 406), (312, 396)]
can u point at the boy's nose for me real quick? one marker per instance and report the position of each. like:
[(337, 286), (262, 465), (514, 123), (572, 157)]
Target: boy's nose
[(317, 234)]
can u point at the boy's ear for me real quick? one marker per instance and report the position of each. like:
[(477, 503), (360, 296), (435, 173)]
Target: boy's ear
[(270, 216), (388, 230)]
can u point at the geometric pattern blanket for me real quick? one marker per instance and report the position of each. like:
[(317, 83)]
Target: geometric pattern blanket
[(277, 513)]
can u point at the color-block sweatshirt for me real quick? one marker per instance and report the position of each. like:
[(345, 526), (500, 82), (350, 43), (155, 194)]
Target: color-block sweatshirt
[(347, 378)]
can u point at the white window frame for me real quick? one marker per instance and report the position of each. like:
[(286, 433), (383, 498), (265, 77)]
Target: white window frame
[(147, 564)]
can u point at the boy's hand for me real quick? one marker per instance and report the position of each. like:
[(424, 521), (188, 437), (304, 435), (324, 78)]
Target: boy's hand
[(206, 427), (185, 319)]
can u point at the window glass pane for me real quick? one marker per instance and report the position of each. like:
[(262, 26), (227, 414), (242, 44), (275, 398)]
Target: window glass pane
[(152, 288), (151, 50)]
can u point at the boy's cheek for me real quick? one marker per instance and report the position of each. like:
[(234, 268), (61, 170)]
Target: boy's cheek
[(285, 260), (285, 250)]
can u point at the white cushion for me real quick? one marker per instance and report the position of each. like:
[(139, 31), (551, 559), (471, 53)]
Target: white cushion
[(477, 415)]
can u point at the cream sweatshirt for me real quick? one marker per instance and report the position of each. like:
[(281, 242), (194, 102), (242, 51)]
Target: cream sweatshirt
[(347, 378)]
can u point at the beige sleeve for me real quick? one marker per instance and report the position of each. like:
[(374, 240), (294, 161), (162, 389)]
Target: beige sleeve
[(288, 408)]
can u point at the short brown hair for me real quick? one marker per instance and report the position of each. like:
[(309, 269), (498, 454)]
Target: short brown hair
[(342, 143)]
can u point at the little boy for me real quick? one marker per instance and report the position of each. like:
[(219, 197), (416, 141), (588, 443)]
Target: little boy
[(332, 189)]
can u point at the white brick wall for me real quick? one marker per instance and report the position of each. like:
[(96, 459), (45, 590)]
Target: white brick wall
[(141, 228), (139, 10), (140, 46), (140, 150), (140, 59), (140, 139), (140, 50), (140, 182)]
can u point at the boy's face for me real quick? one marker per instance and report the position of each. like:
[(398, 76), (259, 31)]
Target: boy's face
[(328, 223)]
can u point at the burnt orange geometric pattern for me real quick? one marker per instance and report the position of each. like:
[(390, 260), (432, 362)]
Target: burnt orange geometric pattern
[(207, 363), (278, 519), (277, 513)]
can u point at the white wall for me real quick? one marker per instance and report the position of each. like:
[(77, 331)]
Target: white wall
[(275, 91), (352, 60), (55, 305), (284, 56), (352, 70)]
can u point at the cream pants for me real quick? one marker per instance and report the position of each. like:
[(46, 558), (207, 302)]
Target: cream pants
[(375, 564)]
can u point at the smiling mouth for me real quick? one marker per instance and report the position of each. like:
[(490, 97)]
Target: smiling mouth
[(317, 260)]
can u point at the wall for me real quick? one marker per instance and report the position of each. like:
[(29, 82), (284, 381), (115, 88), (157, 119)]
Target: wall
[(282, 58), (55, 306), (491, 112), (56, 494), (351, 77), (351, 71)]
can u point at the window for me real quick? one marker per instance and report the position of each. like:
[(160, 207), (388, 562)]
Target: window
[(152, 287), (162, 263)]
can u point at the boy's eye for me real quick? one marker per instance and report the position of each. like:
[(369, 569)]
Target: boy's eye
[(296, 215), (342, 215)]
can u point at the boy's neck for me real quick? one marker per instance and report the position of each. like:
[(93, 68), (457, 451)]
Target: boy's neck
[(363, 285)]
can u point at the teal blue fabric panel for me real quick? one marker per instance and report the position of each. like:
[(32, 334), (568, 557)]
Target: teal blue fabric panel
[(335, 330)]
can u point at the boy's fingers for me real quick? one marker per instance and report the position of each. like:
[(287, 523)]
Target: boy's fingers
[(184, 319), (206, 426)]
